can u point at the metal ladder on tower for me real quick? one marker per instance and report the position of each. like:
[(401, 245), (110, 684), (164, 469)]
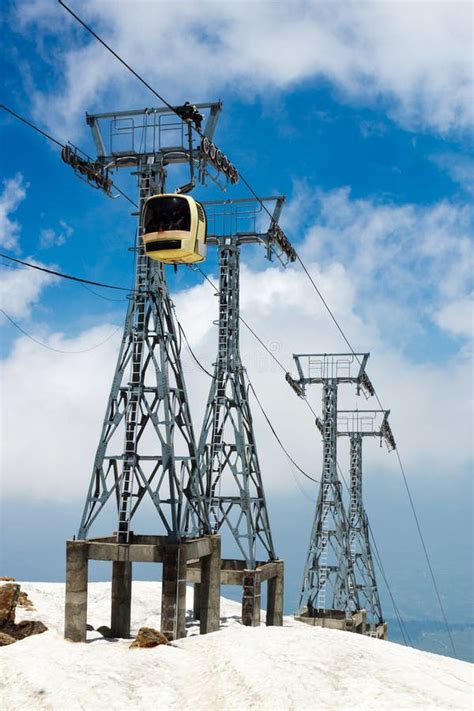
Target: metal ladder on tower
[(134, 386), (217, 447), (353, 511)]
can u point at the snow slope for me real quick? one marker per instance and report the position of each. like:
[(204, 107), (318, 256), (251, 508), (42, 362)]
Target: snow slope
[(294, 667)]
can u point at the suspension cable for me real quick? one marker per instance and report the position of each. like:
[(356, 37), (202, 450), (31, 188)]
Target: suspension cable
[(117, 56), (194, 356), (51, 348), (61, 145), (63, 275), (315, 481), (401, 623)]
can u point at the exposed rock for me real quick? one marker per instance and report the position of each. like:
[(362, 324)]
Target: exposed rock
[(89, 628), (24, 601), (10, 597), (9, 594), (148, 637), (26, 628), (105, 631), (6, 579)]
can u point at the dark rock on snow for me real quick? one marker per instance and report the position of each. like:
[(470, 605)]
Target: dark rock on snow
[(148, 637)]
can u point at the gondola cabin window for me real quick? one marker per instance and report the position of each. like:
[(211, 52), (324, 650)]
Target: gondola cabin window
[(174, 229)]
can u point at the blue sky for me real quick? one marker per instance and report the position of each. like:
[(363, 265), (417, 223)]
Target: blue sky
[(361, 114)]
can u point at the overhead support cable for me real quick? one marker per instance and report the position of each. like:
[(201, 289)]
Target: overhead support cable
[(62, 146), (378, 558), (315, 481), (51, 348), (272, 428), (102, 285), (117, 56), (32, 125)]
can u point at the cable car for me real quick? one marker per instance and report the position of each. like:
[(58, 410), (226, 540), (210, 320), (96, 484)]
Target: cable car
[(174, 229)]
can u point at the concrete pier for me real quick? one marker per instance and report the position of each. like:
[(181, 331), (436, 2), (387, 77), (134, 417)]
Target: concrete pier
[(336, 620), (275, 597), (210, 588), (233, 572), (121, 599), (251, 598), (76, 591), (203, 553), (173, 592)]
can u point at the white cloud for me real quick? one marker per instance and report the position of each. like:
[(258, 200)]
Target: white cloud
[(407, 262), (52, 238), (65, 395), (460, 169), (14, 192), (382, 269), (62, 398), (414, 58), (457, 317), (21, 288)]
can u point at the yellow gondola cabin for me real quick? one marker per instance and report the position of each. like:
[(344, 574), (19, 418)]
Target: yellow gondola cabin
[(174, 229)]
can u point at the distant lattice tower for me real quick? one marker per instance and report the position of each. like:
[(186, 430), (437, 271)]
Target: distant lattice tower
[(356, 425), (329, 590)]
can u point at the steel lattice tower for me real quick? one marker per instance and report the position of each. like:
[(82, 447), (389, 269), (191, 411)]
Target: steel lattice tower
[(329, 582), (147, 445), (356, 425), (148, 406), (227, 449)]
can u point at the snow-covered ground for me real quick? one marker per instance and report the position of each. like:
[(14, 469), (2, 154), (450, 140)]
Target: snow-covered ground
[(290, 667)]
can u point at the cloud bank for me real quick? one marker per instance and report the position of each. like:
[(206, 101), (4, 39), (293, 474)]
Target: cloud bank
[(65, 395), (414, 59)]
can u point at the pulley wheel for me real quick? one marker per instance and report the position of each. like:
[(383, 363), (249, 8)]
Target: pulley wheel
[(205, 145)]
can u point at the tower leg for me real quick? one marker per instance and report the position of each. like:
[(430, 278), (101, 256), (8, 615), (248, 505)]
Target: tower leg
[(76, 591), (251, 598), (121, 599), (173, 600), (210, 588), (275, 598)]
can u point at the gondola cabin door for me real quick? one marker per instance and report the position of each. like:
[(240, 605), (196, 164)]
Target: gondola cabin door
[(174, 229)]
